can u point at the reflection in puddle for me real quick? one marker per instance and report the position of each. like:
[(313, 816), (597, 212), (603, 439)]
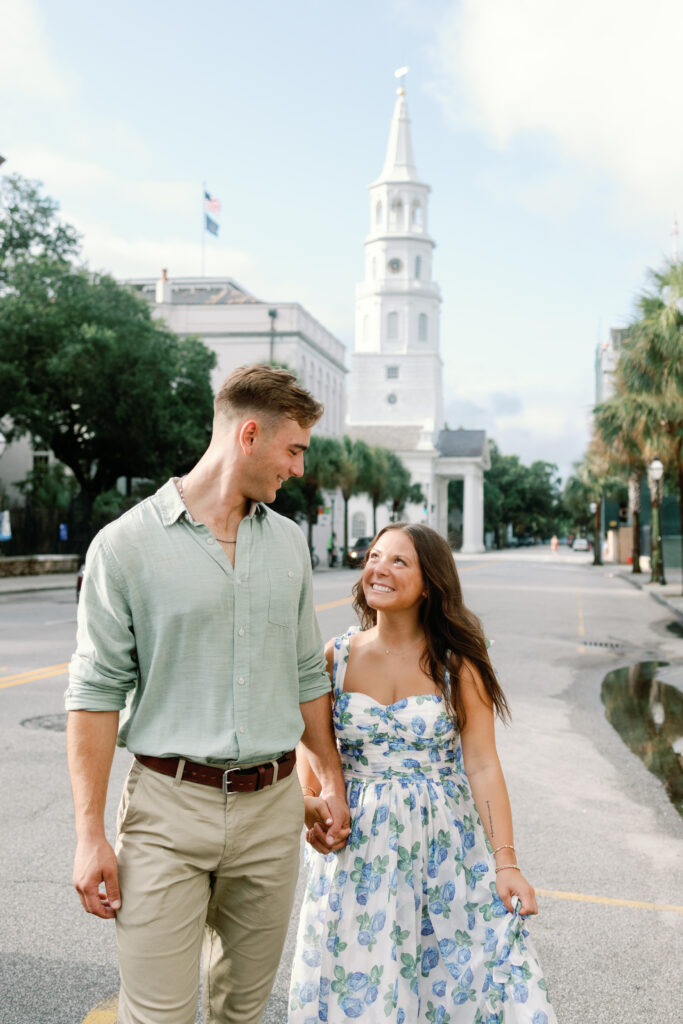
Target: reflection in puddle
[(648, 715)]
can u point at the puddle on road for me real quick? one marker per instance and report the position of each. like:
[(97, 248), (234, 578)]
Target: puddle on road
[(648, 715)]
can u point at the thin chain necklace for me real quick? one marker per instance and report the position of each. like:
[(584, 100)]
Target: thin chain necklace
[(397, 654), (182, 498)]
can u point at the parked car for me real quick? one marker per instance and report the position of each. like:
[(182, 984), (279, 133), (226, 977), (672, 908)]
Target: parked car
[(580, 544), (357, 552)]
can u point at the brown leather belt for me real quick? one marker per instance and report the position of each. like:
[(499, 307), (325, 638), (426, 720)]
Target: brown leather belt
[(230, 780)]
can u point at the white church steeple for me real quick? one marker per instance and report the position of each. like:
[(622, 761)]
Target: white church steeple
[(396, 367)]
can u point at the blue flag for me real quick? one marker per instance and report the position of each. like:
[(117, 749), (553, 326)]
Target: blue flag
[(211, 225)]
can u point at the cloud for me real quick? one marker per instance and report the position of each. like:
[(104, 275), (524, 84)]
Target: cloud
[(64, 175), (506, 405), (26, 62), (598, 80)]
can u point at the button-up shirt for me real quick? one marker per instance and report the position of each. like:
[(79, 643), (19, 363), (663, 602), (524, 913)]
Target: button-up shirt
[(206, 661)]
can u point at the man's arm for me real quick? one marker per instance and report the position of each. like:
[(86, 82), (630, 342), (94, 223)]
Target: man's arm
[(90, 742), (321, 750)]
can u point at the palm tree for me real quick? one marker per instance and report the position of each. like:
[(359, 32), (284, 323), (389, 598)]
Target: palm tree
[(651, 372), (355, 476), (620, 426)]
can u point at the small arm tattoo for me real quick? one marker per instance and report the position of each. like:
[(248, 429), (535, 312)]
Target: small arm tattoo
[(488, 808)]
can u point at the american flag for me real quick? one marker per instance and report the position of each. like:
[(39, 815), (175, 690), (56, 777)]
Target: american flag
[(212, 204)]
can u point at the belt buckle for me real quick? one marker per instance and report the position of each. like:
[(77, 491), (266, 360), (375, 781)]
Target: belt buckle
[(226, 780)]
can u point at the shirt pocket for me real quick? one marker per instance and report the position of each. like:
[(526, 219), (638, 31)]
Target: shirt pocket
[(283, 598)]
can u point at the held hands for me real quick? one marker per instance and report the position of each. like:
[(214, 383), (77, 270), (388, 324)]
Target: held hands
[(95, 865), (327, 822), (510, 884)]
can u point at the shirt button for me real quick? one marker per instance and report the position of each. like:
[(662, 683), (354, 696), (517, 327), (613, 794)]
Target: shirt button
[(290, 574), (242, 728), (241, 680), (240, 632), (239, 583), (209, 540)]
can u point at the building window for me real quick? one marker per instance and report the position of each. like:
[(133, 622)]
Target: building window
[(396, 219), (392, 326), (392, 372), (358, 526), (41, 461), (378, 213), (418, 267), (422, 327), (416, 215)]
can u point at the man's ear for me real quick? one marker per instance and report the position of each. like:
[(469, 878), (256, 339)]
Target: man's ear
[(248, 433)]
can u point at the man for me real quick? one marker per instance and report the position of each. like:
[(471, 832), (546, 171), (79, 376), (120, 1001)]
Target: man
[(196, 620)]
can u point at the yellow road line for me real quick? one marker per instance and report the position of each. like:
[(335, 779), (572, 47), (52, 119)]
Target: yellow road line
[(333, 604), (37, 673), (580, 897), (103, 1013)]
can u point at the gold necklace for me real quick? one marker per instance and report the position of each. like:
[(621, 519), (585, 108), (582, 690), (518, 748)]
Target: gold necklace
[(220, 540), (397, 654)]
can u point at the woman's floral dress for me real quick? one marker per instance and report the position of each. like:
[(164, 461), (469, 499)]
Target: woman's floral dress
[(404, 925)]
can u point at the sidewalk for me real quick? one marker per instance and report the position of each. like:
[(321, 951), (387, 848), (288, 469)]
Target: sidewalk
[(670, 595), (29, 584)]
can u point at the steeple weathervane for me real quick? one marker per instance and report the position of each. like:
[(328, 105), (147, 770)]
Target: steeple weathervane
[(401, 73)]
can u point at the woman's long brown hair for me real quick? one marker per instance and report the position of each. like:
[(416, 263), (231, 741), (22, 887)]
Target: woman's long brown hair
[(452, 632)]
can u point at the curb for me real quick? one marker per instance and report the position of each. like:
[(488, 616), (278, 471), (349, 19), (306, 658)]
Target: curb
[(628, 578)]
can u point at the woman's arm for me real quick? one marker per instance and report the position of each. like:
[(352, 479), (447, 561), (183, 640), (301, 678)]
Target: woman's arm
[(487, 783)]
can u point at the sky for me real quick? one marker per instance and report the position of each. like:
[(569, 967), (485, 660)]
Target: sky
[(550, 134)]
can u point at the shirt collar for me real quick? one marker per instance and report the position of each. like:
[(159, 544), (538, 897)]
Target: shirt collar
[(171, 507)]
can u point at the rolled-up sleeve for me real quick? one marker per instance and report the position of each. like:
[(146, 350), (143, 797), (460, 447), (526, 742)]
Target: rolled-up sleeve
[(313, 678), (104, 666)]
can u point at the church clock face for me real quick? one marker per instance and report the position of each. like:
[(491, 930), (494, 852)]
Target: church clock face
[(394, 265)]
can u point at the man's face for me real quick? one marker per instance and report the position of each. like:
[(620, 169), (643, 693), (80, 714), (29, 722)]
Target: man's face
[(277, 454)]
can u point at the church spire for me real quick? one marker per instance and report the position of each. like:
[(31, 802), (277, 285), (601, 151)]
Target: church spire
[(399, 164)]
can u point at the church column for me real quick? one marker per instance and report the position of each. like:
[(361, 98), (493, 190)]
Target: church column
[(441, 502), (473, 511)]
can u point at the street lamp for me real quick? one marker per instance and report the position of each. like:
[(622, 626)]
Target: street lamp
[(595, 512), (655, 473)]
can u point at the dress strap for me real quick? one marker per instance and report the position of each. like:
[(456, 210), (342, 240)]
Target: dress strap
[(339, 662)]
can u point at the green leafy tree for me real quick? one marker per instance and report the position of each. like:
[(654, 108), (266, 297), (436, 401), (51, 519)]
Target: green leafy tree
[(87, 372), (376, 484), (30, 230), (525, 497)]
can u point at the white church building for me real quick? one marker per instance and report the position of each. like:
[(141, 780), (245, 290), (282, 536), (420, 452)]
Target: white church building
[(395, 396)]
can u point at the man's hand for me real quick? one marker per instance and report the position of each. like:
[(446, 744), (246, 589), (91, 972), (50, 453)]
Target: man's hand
[(95, 865)]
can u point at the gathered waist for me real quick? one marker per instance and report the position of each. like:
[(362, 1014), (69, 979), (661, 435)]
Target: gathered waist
[(385, 773)]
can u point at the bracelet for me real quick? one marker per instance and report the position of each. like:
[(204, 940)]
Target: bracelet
[(503, 867), (505, 846), (307, 789)]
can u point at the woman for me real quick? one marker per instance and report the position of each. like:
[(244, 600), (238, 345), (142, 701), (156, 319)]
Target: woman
[(421, 915)]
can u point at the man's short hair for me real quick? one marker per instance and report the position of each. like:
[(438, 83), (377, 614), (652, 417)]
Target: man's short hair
[(269, 391)]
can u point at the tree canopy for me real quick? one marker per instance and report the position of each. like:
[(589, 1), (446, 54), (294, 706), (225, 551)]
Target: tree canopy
[(525, 497), (84, 369)]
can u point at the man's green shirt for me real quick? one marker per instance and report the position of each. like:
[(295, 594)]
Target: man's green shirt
[(206, 661)]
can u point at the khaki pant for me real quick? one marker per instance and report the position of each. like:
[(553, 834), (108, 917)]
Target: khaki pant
[(199, 867)]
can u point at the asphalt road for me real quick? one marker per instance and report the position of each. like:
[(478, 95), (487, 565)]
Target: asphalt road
[(593, 826)]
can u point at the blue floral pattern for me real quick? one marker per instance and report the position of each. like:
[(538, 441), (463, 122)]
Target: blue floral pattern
[(404, 925)]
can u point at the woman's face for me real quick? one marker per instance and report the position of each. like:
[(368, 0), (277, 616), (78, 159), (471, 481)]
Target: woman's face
[(392, 578)]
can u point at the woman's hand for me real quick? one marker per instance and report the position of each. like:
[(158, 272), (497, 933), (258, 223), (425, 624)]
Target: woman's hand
[(318, 819), (511, 883)]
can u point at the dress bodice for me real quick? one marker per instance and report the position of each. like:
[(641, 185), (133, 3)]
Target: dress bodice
[(414, 736)]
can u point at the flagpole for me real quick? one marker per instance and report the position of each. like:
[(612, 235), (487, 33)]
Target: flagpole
[(203, 224)]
